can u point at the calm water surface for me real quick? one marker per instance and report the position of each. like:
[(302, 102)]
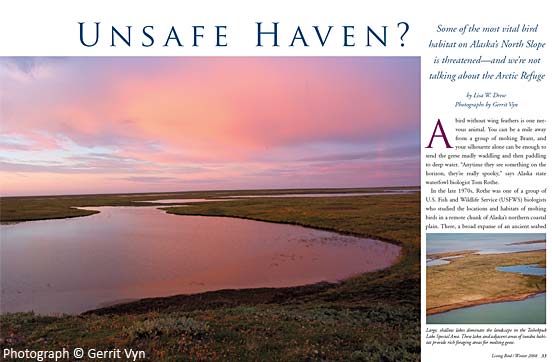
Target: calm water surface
[(527, 269), (125, 253), (436, 262), (529, 311)]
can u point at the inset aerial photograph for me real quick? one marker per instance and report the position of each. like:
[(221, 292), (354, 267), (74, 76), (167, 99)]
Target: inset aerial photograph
[(486, 279)]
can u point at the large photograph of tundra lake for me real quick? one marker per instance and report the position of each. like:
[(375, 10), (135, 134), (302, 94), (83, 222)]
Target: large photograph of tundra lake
[(212, 209)]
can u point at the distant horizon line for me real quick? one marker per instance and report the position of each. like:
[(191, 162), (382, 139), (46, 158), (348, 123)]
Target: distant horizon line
[(212, 190)]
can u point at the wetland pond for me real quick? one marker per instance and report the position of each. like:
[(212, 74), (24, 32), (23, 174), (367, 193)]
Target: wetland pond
[(127, 253), (528, 311)]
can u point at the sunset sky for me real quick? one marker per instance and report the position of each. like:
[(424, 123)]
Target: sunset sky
[(94, 125)]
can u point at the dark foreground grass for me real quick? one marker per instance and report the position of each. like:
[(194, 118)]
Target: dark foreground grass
[(371, 317)]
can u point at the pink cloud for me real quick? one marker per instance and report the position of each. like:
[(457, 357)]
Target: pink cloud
[(210, 114)]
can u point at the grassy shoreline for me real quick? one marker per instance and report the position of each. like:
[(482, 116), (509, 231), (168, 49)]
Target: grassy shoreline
[(32, 208), (366, 317)]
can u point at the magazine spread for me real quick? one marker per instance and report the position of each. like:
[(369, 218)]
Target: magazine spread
[(274, 181)]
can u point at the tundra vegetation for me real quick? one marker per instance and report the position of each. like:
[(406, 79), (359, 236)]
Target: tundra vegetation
[(368, 317)]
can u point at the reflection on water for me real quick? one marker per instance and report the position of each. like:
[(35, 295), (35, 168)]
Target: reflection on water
[(123, 253), (528, 311), (527, 269), (443, 261), (436, 262)]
